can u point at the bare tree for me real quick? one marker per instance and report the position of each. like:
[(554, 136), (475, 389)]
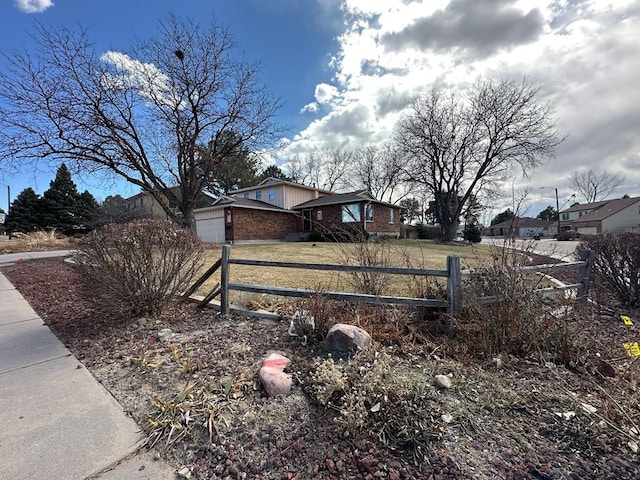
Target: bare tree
[(379, 170), (325, 168), (142, 116), (595, 186), (460, 148)]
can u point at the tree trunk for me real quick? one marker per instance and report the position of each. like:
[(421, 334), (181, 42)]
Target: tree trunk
[(449, 231)]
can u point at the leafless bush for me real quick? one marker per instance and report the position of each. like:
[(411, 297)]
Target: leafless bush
[(362, 252), (502, 313), (616, 264), (376, 393), (138, 268)]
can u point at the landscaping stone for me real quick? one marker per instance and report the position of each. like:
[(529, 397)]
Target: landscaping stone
[(343, 340), (274, 380), (443, 381)]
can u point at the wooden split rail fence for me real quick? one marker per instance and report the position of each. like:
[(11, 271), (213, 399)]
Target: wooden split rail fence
[(453, 273)]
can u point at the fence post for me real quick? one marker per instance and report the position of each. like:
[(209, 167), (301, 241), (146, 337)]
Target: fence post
[(454, 287), (224, 280), (585, 275)]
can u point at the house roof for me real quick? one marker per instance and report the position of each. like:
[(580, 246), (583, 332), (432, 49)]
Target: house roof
[(522, 222), (607, 208), (342, 198), (579, 207), (273, 181), (240, 202)]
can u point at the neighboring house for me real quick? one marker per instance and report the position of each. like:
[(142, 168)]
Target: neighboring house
[(607, 216), (143, 205), (520, 227), (277, 209)]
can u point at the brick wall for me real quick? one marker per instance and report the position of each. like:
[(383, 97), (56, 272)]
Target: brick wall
[(250, 224), (332, 218)]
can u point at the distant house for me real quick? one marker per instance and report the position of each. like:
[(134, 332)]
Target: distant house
[(277, 209), (607, 216), (520, 227), (144, 205)]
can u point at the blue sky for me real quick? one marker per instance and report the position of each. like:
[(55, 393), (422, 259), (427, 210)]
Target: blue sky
[(346, 69)]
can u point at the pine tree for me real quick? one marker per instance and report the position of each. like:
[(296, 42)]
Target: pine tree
[(87, 209), (24, 214), (60, 203)]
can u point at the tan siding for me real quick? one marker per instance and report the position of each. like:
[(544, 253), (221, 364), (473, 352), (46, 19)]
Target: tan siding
[(625, 218)]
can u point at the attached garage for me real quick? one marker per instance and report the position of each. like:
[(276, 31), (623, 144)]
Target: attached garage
[(210, 225)]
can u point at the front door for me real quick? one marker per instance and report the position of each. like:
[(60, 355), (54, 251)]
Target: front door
[(306, 224)]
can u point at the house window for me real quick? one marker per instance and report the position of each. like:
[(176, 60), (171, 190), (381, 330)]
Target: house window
[(258, 194), (246, 195), (368, 212), (272, 194), (351, 213), (319, 215), (391, 215), (565, 216)]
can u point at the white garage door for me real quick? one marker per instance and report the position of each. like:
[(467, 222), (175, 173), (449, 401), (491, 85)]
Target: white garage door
[(210, 230)]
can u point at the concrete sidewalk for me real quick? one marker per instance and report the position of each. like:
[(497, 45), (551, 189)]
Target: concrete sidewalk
[(57, 420)]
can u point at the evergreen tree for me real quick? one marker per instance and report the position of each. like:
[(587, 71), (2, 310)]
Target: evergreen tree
[(60, 203), (87, 209), (472, 233), (502, 217), (24, 213), (272, 171)]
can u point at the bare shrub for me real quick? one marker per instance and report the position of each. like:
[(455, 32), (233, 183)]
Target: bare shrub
[(137, 268), (364, 253), (504, 314), (616, 264), (376, 393)]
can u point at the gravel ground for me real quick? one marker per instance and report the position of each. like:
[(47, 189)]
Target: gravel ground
[(521, 418)]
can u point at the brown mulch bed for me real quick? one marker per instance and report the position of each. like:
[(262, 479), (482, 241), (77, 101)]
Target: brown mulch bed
[(530, 419)]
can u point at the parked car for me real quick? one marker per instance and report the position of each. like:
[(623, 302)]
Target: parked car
[(537, 236)]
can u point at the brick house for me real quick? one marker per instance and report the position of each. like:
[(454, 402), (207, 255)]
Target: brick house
[(347, 210), (278, 209)]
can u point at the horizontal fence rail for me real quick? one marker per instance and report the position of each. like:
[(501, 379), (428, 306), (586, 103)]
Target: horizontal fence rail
[(453, 274)]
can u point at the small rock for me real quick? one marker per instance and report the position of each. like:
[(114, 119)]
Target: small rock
[(633, 446), (447, 418), (165, 334), (184, 472), (443, 381)]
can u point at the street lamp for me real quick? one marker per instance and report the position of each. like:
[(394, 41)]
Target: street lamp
[(557, 208)]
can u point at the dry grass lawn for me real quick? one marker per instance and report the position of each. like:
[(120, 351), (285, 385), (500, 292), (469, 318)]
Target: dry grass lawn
[(400, 253)]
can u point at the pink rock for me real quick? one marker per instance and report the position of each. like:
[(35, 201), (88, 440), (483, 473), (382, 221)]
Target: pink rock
[(275, 381), (275, 360)]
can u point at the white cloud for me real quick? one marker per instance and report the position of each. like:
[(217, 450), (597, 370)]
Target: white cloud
[(583, 54), (33, 6), (310, 107), (324, 93), (144, 77)]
